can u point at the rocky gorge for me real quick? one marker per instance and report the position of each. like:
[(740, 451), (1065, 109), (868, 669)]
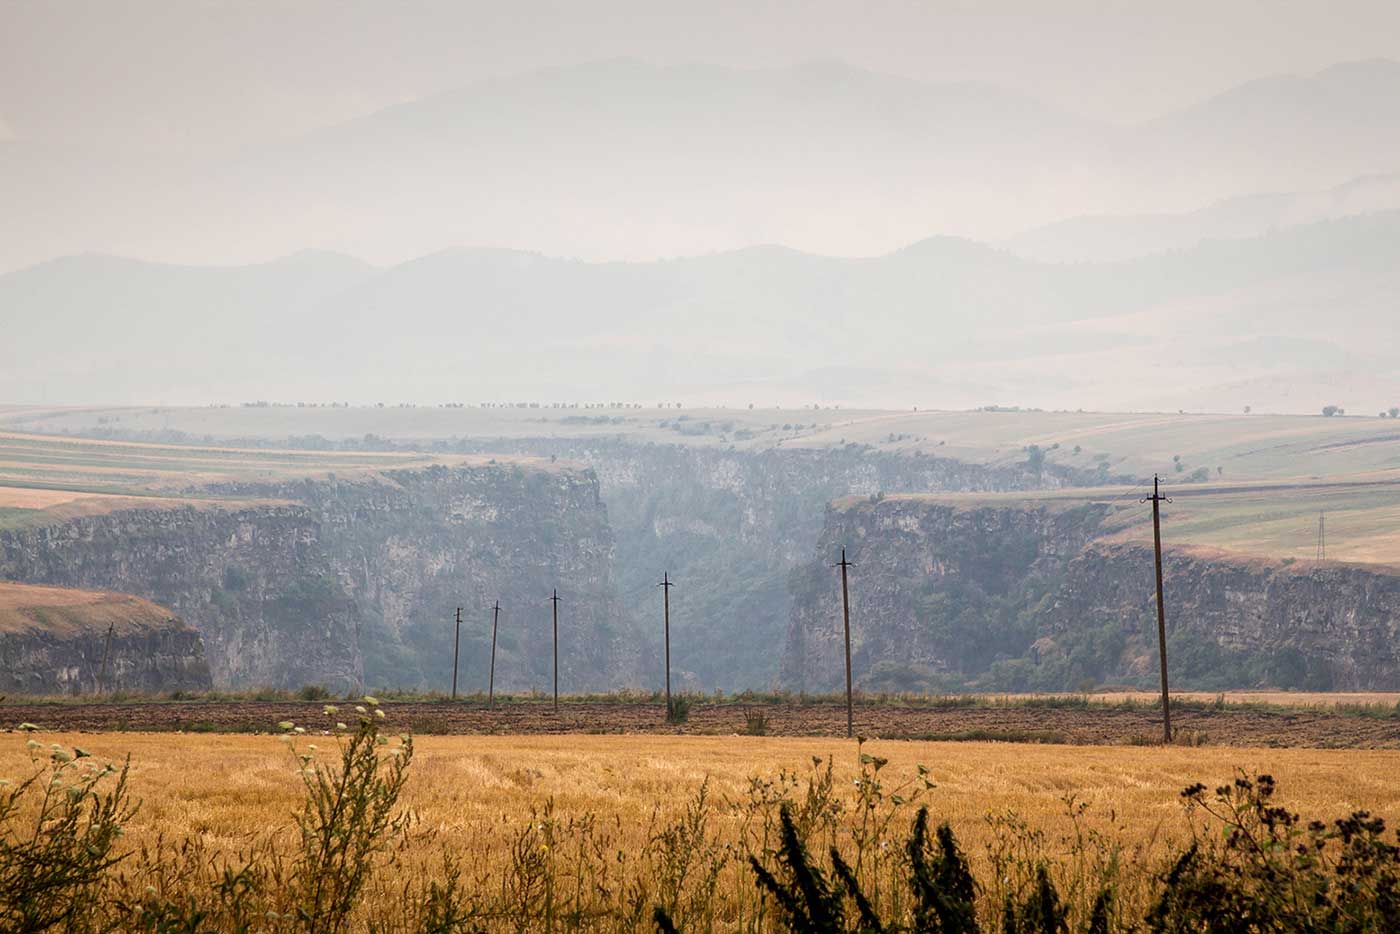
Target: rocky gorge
[(954, 595), (345, 582), (968, 576)]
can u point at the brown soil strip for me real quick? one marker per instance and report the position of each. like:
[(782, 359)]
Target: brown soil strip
[(1113, 726)]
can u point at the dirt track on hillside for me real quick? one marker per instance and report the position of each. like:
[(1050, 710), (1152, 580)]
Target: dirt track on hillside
[(1077, 725)]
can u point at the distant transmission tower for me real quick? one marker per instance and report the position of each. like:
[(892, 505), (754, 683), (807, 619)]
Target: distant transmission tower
[(1322, 536)]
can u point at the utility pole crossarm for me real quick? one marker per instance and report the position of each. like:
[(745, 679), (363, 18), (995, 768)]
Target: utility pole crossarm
[(456, 648), (1157, 499)]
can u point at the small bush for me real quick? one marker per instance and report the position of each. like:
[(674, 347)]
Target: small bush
[(755, 722), (680, 710), (313, 692)]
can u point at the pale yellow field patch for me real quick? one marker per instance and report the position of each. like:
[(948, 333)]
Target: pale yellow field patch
[(23, 498)]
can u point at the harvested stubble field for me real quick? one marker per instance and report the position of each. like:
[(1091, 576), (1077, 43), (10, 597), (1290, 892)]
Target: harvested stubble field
[(476, 788), (543, 807), (1025, 720)]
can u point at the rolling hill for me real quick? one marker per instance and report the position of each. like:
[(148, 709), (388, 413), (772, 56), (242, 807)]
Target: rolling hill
[(1284, 321)]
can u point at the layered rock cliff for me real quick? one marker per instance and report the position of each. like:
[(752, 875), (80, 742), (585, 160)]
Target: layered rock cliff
[(61, 641), (1015, 597), (346, 582), (729, 525), (255, 580), (939, 591), (1235, 620)]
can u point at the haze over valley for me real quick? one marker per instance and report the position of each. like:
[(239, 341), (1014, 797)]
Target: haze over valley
[(366, 317), (729, 466)]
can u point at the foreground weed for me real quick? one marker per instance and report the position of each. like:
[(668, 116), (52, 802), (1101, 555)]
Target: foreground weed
[(59, 839)]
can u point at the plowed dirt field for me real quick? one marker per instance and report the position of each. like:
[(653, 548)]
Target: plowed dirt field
[(1074, 725)]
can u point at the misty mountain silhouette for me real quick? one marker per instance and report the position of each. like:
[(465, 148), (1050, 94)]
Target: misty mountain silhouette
[(624, 159), (471, 324)]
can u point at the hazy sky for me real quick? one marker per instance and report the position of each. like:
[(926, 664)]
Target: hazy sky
[(218, 72)]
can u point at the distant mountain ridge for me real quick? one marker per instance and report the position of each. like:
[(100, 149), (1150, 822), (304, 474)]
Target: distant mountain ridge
[(625, 159), (1114, 237), (944, 321)]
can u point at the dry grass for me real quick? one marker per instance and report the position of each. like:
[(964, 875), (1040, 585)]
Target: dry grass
[(63, 611), (1298, 700), (476, 793)]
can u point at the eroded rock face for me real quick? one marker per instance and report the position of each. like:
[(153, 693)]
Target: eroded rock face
[(345, 583), (927, 583), (1326, 626), (409, 546), (56, 641), (1017, 598), (255, 581), (730, 525)]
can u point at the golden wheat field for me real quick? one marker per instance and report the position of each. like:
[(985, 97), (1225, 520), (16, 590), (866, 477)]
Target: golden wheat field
[(228, 787), (590, 832)]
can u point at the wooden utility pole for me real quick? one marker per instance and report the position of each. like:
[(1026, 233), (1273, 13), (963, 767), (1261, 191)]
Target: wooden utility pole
[(666, 586), (456, 645), (1322, 536), (491, 685), (1157, 499), (106, 652), (843, 564), (555, 600)]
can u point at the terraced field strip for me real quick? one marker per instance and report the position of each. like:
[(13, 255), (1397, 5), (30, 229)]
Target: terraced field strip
[(1273, 519), (30, 462), (100, 464), (1243, 446)]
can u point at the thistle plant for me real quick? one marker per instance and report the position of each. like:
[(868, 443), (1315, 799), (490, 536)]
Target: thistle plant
[(349, 816), (59, 832)]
